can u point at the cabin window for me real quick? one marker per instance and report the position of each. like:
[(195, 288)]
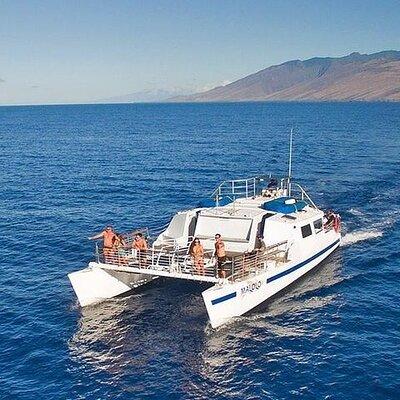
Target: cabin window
[(231, 229), (192, 226), (306, 230), (318, 225)]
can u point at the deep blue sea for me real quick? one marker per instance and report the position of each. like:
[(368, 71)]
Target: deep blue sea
[(67, 171)]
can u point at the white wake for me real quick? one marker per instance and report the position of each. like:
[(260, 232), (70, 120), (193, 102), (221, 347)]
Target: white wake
[(356, 212), (359, 236)]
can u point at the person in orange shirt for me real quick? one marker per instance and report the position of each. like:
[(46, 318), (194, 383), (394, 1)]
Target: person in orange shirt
[(140, 245), (220, 253), (109, 237), (197, 253)]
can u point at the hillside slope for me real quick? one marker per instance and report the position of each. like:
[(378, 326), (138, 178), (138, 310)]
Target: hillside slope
[(362, 77)]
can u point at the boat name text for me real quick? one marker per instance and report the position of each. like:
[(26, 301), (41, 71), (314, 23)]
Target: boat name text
[(251, 287)]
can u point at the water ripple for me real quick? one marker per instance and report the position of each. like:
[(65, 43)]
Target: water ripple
[(67, 171)]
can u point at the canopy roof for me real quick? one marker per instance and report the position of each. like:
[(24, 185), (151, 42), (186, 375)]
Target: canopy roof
[(280, 206)]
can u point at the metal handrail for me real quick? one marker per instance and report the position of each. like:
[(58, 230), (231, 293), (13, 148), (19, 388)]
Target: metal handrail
[(173, 243), (180, 261), (251, 263), (249, 187), (304, 195), (237, 188)]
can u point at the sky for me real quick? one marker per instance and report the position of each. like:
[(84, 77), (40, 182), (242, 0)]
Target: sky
[(81, 51)]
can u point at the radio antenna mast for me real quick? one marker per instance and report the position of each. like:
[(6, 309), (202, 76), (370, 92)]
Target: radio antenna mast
[(290, 163)]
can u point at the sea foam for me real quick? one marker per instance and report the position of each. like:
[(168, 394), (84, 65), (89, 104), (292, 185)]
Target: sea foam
[(359, 236)]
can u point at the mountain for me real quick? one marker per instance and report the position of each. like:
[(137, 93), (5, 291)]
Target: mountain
[(356, 77), (145, 96)]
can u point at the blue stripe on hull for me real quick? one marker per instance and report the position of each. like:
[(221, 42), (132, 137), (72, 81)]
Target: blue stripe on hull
[(223, 298), (281, 274), (302, 264)]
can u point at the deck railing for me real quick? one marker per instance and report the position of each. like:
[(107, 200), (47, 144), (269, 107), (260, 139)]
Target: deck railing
[(176, 261), (179, 261), (234, 189), (252, 263), (299, 192)]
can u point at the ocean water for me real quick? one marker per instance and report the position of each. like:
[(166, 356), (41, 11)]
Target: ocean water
[(66, 171)]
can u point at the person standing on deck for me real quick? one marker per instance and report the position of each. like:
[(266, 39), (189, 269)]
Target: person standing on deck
[(119, 247), (109, 237), (140, 245), (260, 244), (220, 253), (196, 251)]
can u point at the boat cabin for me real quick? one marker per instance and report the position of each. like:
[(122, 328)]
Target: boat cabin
[(275, 218)]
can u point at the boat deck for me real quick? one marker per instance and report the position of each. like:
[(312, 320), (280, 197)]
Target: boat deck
[(179, 264)]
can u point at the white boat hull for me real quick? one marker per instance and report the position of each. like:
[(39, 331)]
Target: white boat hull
[(224, 302), (93, 284)]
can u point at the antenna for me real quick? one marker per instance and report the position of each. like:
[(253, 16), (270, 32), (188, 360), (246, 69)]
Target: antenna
[(290, 162)]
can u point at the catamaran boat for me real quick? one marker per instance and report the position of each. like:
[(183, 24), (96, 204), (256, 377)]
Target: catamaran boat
[(296, 237)]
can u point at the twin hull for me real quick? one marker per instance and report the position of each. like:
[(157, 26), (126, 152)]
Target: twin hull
[(223, 301)]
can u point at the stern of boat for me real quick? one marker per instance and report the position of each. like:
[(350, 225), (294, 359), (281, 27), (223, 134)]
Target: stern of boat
[(94, 284)]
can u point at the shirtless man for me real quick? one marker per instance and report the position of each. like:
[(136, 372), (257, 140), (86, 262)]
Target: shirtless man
[(109, 237), (140, 245), (220, 253)]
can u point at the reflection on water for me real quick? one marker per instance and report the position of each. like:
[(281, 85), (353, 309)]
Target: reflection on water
[(101, 335), (163, 332)]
